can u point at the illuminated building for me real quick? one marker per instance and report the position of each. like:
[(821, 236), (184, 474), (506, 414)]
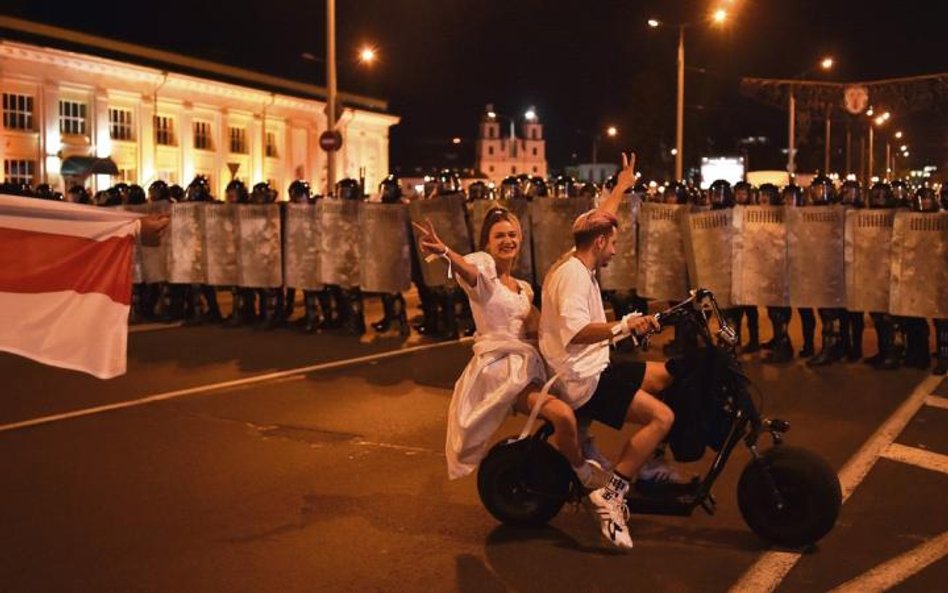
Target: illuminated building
[(160, 115)]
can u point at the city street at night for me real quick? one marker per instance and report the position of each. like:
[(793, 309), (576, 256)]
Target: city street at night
[(277, 461)]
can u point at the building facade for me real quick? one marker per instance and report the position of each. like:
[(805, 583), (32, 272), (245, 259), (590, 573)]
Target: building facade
[(158, 123), (497, 157)]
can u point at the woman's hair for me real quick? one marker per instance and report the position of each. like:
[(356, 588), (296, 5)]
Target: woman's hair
[(591, 224), (493, 216)]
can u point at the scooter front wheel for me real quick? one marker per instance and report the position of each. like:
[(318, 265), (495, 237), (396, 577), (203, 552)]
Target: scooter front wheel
[(523, 483), (805, 505)]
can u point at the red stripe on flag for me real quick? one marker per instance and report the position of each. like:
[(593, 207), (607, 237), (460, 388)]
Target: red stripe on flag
[(32, 262)]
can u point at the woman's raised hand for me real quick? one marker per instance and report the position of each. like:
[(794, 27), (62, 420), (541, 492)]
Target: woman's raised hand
[(429, 241)]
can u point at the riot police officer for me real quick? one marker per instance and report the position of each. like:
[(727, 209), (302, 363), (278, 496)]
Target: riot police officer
[(271, 301), (902, 194), (477, 190), (780, 346), (536, 188), (78, 194), (300, 192), (199, 190), (887, 358), (243, 299), (45, 191), (510, 188), (348, 301), (916, 328), (675, 193), (793, 195), (136, 195), (941, 325), (822, 192), (393, 304), (176, 192), (853, 322), (564, 187), (745, 194)]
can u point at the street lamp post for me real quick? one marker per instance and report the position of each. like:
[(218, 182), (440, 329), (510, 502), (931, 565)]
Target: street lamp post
[(611, 132), (331, 90), (825, 64)]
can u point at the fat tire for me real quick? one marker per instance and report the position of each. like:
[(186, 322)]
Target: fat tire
[(809, 486), (523, 483)]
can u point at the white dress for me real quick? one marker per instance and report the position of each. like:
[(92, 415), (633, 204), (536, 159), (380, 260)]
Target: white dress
[(503, 365)]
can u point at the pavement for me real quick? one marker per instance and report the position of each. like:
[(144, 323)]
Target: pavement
[(242, 460)]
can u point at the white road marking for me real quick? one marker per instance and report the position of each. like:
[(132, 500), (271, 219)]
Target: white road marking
[(222, 385), (919, 457), (936, 401), (772, 567), (894, 571)]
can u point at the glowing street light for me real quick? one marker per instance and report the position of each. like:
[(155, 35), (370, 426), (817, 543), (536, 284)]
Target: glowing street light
[(903, 148), (869, 112), (719, 16), (827, 63), (368, 55), (611, 131), (654, 23), (530, 115), (898, 135)]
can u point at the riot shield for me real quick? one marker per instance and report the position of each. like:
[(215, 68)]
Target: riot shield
[(621, 272), (385, 242), (816, 241), (339, 239), (223, 242), (301, 246), (477, 210), (920, 265), (155, 259), (760, 269), (447, 215), (551, 221), (187, 244), (662, 272), (868, 259), (138, 271), (709, 240), (260, 254)]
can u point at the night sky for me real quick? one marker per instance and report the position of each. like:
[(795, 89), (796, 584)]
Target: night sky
[(583, 65)]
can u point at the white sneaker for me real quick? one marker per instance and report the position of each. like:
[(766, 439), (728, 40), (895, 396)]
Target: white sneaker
[(590, 451), (657, 470), (591, 475), (609, 504)]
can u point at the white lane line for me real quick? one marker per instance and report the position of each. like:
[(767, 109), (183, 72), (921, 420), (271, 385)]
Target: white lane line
[(894, 571), (772, 567), (936, 401), (222, 385), (918, 457)]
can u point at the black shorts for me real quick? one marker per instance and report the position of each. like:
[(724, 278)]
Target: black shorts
[(610, 402)]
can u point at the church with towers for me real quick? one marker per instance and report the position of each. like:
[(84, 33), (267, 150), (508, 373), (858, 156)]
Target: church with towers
[(499, 156)]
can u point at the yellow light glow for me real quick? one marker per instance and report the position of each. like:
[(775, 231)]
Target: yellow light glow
[(491, 115), (869, 112), (906, 153), (880, 120), (720, 15), (367, 55), (612, 131), (455, 140), (827, 63), (531, 114), (886, 116), (654, 23), (898, 135), (674, 151), (903, 148)]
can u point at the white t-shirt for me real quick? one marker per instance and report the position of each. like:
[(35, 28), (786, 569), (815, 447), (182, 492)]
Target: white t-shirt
[(571, 301)]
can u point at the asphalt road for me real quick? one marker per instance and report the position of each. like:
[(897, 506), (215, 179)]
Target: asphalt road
[(333, 479)]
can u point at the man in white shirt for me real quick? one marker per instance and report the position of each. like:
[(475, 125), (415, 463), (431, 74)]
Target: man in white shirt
[(574, 340)]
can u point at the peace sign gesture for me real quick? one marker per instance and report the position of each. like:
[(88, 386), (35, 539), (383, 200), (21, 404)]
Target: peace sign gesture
[(626, 177), (430, 242)]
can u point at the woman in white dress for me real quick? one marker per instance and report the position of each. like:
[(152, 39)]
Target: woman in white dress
[(506, 370)]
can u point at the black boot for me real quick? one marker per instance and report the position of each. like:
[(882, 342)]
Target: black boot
[(856, 328), (289, 306), (331, 316), (310, 303), (354, 315), (831, 350), (192, 306), (917, 354), (213, 309), (238, 307), (808, 320), (753, 328), (136, 311), (388, 314), (782, 348), (888, 356), (401, 315), (270, 303)]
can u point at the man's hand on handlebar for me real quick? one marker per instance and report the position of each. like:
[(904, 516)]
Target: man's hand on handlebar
[(643, 325)]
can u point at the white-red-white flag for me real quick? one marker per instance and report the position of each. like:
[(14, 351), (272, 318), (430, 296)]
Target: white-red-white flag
[(66, 283)]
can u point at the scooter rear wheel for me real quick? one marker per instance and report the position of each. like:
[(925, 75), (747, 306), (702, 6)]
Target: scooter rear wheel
[(809, 490), (523, 483)]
